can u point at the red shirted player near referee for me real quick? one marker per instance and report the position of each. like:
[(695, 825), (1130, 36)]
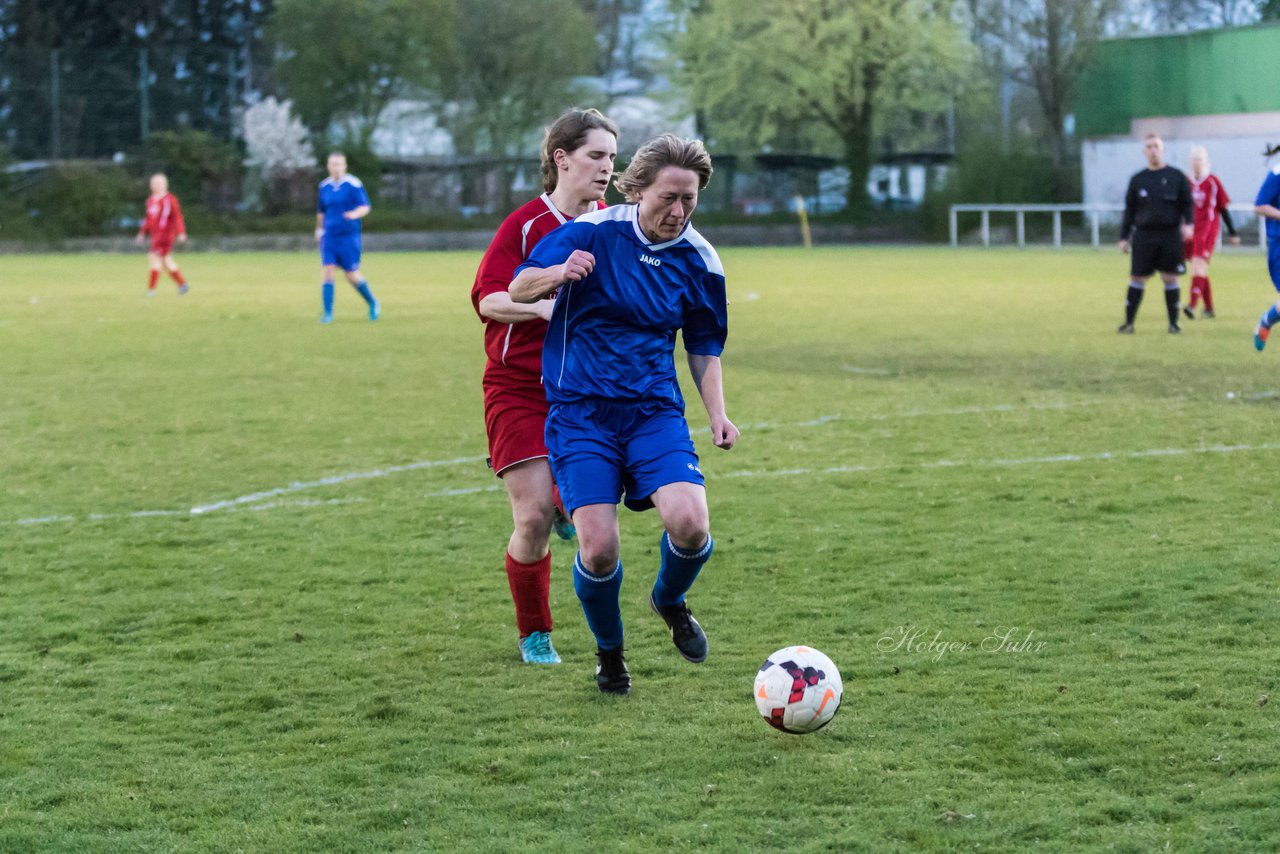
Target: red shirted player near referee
[(1210, 200), (165, 225), (577, 164)]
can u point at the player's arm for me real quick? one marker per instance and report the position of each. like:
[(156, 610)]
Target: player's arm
[(709, 379), (358, 213), (537, 276), (1268, 197), (1188, 206), (502, 308), (1232, 234)]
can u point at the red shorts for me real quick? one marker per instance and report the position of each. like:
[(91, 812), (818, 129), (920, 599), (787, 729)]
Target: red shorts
[(162, 247), (1200, 246), (515, 417)]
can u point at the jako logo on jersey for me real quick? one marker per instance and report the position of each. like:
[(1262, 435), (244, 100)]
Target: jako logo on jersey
[(650, 260), (692, 467)]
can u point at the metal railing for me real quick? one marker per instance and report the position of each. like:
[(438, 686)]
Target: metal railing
[(1094, 213)]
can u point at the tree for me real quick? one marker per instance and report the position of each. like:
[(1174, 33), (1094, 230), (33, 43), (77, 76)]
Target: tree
[(821, 69), (513, 71), (343, 61), (280, 155), (1055, 40)]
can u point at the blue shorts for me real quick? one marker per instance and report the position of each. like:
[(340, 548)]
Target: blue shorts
[(1273, 261), (601, 449), (340, 250)]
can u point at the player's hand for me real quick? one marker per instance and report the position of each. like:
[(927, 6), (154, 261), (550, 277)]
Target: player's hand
[(723, 433), (182, 238), (1234, 240), (578, 266), (139, 239), (347, 215), (319, 233), (1188, 232), (1124, 246)]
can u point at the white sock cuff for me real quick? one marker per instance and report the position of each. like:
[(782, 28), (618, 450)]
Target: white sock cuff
[(589, 576), (690, 555)]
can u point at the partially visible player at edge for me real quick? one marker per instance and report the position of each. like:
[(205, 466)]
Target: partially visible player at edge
[(342, 202), (631, 276), (1210, 200), (163, 221), (578, 151), (1158, 217), (1267, 205)]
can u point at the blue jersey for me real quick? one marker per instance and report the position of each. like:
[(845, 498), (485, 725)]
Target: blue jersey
[(337, 198), (612, 335), (1270, 195)]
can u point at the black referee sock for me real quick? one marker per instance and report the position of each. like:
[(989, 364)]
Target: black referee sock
[(1172, 296), (1131, 304)]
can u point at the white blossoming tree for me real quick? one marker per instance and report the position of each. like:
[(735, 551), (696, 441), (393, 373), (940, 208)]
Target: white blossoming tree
[(281, 159)]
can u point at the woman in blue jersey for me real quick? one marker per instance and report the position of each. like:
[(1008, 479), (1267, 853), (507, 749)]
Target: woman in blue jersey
[(629, 277), (1267, 205)]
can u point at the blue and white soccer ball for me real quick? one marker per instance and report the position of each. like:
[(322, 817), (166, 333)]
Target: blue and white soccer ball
[(798, 690)]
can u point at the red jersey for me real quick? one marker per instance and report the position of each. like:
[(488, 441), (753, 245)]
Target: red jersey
[(164, 218), (515, 347), (1209, 198)]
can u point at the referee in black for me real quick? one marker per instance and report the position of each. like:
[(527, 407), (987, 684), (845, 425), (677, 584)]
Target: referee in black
[(1158, 216)]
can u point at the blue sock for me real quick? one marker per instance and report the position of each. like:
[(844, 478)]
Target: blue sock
[(326, 297), (599, 597), (679, 570), (363, 290), (1270, 317)]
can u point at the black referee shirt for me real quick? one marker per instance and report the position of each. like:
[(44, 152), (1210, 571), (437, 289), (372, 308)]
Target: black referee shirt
[(1157, 199)]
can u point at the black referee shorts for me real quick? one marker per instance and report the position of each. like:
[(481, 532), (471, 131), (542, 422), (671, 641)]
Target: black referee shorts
[(1156, 250)]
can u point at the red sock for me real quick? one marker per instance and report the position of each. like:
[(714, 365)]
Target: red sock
[(1197, 288), (152, 279), (176, 275), (531, 591), (1208, 294)]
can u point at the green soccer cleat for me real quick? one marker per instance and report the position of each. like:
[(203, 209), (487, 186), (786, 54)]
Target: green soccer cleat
[(563, 525), (375, 309), (537, 649), (1260, 338)]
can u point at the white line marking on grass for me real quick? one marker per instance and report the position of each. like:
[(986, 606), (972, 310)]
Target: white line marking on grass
[(876, 372), (926, 413), (1024, 461), (299, 486)]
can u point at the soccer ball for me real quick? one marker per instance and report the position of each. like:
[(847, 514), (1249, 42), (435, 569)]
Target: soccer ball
[(798, 690)]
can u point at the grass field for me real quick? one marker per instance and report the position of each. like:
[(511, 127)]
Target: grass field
[(939, 449)]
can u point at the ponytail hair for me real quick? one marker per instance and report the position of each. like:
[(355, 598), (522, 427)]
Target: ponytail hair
[(1269, 150)]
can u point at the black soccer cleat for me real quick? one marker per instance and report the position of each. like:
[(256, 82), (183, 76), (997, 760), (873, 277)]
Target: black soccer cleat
[(612, 676), (1125, 329), (686, 634), (1174, 329), (1188, 313), (1207, 314)]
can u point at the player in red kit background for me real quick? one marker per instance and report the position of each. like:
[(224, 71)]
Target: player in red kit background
[(1210, 200), (165, 225), (578, 151)]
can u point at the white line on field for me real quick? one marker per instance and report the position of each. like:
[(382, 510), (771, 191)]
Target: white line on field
[(928, 413), (878, 372), (299, 486), (1024, 461)]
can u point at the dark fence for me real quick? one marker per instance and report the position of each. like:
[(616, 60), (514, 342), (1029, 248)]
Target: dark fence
[(94, 102)]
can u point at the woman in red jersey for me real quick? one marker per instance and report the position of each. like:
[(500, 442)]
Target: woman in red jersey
[(578, 151), (1210, 200), (165, 225)]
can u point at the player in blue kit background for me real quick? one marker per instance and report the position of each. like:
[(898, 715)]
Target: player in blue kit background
[(342, 203), (1267, 205), (628, 278)]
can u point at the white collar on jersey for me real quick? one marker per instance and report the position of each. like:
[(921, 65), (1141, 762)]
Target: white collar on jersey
[(551, 206)]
